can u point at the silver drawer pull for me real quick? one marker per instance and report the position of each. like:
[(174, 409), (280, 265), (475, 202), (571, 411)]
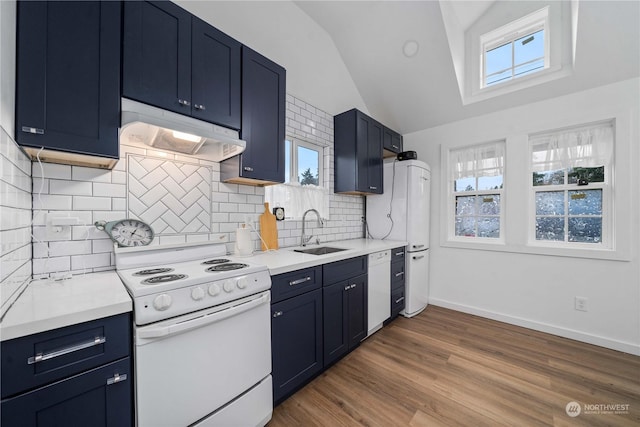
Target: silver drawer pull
[(184, 102), (297, 282), (248, 168), (418, 246), (418, 257), (116, 379), (41, 357), (399, 300), (395, 146), (199, 107), (37, 131), (277, 314), (400, 274), (399, 253), (373, 188)]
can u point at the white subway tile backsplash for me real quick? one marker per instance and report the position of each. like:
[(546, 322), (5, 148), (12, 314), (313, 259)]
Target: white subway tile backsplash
[(51, 171), (77, 188), (52, 202), (84, 262), (109, 190), (84, 203), (51, 265), (80, 173)]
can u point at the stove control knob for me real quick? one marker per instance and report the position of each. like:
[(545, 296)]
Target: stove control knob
[(242, 283), (162, 302), (228, 286), (214, 290), (197, 293)]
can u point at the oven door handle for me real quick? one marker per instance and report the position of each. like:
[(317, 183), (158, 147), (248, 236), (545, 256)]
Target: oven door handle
[(176, 328)]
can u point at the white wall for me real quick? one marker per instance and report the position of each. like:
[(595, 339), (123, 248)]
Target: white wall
[(282, 32), (514, 284)]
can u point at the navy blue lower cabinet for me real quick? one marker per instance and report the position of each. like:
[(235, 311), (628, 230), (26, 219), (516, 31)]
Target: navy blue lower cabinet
[(296, 342), (345, 317), (101, 397)]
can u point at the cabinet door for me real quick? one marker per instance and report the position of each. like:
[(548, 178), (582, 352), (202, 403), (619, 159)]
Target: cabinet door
[(215, 75), (335, 310), (357, 312), (68, 76), (392, 141), (296, 342), (263, 117), (156, 55), (374, 158), (94, 398)]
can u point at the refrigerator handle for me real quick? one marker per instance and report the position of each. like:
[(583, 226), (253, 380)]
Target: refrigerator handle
[(418, 257), (418, 246)]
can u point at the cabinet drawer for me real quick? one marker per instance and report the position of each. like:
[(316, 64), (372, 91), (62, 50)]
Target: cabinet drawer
[(397, 302), (397, 254), (397, 274), (345, 269), (288, 285), (39, 359)]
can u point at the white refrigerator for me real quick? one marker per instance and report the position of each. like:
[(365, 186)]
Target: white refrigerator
[(402, 213)]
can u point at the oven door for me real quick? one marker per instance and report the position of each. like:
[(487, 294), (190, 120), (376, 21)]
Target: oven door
[(192, 365)]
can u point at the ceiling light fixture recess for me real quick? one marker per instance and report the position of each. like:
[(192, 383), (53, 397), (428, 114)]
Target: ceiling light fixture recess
[(410, 48)]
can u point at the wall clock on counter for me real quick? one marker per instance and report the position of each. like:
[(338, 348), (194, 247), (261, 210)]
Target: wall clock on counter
[(127, 232)]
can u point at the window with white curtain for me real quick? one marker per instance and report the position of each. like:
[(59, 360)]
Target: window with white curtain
[(571, 186), (476, 192), (303, 188)]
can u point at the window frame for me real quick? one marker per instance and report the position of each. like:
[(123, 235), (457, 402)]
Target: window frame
[(292, 173), (509, 33), (452, 196), (608, 209)]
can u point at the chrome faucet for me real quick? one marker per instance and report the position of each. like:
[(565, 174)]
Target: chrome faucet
[(303, 239)]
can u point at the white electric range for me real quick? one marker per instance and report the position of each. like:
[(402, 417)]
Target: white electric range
[(202, 332)]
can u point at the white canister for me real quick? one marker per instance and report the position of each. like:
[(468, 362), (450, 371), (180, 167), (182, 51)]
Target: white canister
[(243, 246)]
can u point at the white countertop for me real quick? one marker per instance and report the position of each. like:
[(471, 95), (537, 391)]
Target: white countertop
[(285, 259), (48, 304)]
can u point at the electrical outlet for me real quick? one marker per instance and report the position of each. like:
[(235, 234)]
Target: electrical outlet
[(581, 303)]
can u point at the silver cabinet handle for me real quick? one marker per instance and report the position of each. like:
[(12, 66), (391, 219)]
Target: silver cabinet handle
[(418, 257), (400, 274), (395, 146), (41, 357), (399, 253), (248, 168), (116, 379), (399, 300), (184, 102), (346, 288), (418, 246), (352, 286), (199, 107), (277, 314), (297, 282), (372, 188), (37, 131)]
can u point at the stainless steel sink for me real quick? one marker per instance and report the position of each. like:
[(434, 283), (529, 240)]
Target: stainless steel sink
[(321, 250)]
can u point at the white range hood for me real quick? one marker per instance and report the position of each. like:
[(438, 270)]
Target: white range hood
[(152, 127)]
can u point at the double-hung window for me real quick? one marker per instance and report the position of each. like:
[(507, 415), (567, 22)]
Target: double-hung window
[(476, 196), (303, 188), (571, 186)]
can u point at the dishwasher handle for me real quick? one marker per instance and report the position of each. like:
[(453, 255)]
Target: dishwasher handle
[(163, 331)]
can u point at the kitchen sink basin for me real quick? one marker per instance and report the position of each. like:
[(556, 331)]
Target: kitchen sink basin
[(321, 250)]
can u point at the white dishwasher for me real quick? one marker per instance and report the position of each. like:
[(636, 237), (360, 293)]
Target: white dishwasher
[(379, 290)]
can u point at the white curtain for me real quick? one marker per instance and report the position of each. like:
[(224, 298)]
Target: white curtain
[(296, 199), (476, 161), (584, 147)]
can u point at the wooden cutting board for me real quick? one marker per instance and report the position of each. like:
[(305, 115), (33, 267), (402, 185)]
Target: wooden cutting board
[(268, 229)]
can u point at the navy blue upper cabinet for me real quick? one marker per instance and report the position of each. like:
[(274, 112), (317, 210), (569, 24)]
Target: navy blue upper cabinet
[(391, 142), (357, 153), (263, 123), (68, 77), (178, 62)]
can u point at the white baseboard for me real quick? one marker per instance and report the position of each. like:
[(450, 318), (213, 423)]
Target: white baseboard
[(542, 327)]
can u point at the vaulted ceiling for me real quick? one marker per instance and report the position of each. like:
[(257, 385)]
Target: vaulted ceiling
[(345, 54)]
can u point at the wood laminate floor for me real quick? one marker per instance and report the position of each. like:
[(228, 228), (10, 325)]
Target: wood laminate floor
[(446, 368)]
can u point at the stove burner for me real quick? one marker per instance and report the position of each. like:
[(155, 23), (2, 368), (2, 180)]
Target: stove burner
[(164, 278), (152, 271), (216, 261), (226, 267)]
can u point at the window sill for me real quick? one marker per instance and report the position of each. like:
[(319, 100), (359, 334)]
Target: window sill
[(533, 249)]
